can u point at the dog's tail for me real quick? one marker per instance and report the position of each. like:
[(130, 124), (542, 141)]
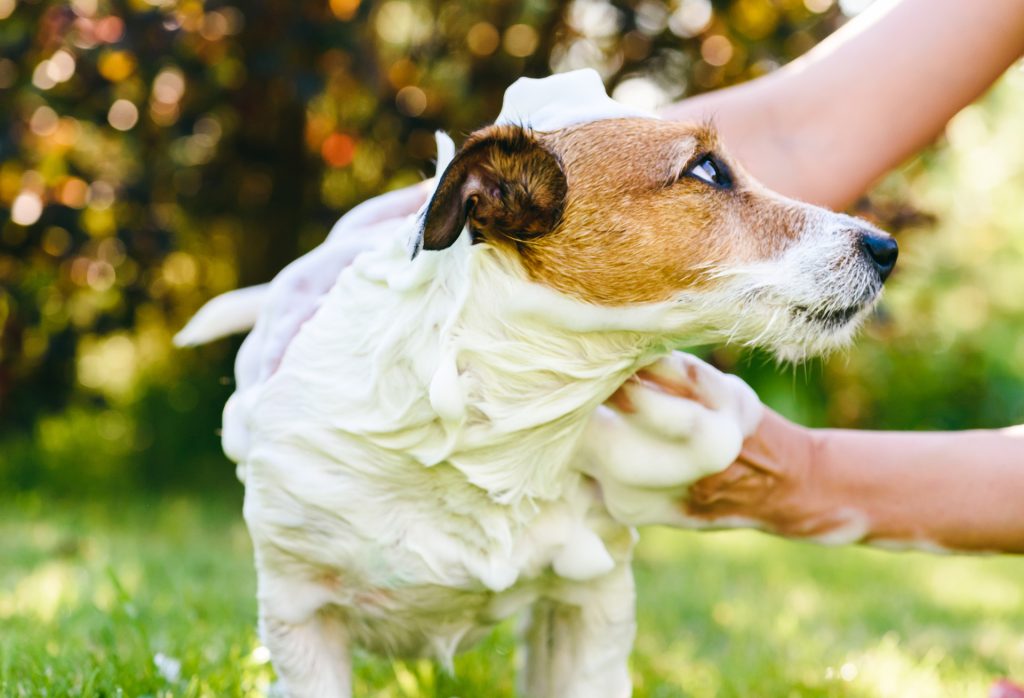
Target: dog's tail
[(229, 313)]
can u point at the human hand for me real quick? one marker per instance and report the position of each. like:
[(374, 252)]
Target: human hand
[(766, 488), (296, 292), (390, 206), (676, 421), (774, 484)]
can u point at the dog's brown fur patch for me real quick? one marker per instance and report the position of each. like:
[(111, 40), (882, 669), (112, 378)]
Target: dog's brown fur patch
[(635, 229), (605, 211)]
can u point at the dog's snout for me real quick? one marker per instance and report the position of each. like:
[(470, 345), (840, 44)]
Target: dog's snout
[(881, 251)]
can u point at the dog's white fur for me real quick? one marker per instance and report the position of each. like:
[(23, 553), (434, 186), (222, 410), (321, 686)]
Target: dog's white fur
[(411, 467), (431, 455)]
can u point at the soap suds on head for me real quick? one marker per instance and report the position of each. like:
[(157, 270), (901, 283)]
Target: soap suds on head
[(562, 100)]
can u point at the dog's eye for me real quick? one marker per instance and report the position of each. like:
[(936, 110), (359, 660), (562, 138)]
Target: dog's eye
[(711, 170)]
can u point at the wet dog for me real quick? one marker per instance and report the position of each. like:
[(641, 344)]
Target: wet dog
[(428, 457)]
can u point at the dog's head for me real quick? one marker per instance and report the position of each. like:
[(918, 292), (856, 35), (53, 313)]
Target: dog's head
[(631, 211)]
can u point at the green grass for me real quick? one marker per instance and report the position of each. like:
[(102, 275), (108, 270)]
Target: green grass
[(91, 592)]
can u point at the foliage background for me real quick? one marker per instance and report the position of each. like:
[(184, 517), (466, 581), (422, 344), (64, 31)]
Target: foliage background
[(154, 153)]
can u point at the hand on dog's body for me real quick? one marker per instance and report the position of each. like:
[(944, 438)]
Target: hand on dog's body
[(931, 491), (675, 422), (412, 454)]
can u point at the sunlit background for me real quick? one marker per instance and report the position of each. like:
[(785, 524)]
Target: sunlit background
[(154, 153)]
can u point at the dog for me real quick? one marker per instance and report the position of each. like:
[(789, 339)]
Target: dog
[(429, 454)]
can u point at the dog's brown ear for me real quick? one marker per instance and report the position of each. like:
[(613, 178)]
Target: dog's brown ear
[(503, 182)]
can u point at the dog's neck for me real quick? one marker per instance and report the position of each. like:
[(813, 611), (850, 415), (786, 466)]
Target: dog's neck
[(520, 371), (475, 366)]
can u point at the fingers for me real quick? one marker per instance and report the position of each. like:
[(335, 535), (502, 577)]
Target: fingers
[(769, 485), (686, 377), (682, 375), (675, 422), (620, 400), (659, 412), (660, 449), (394, 204), (739, 486)]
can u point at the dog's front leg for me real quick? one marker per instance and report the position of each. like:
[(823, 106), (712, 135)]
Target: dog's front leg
[(576, 642), (312, 658)]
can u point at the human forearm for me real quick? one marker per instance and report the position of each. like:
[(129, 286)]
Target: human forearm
[(826, 126), (953, 490)]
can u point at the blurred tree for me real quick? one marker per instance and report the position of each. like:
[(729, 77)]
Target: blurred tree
[(154, 153)]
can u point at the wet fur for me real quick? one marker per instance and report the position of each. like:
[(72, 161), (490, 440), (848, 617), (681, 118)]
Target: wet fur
[(412, 469)]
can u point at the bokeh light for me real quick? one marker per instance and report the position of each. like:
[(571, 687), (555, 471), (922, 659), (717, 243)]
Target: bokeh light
[(73, 192), (41, 76), (402, 23), (56, 241), (27, 208), (411, 100), (483, 39), (690, 18), (169, 86), (854, 7), (520, 40), (716, 50), (123, 115), (44, 121), (338, 149), (818, 5), (116, 65), (344, 9)]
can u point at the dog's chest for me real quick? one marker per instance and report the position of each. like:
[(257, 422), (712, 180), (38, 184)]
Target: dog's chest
[(341, 502), (398, 515), (426, 568)]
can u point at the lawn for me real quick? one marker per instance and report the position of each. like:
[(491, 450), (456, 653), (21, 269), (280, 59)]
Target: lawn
[(155, 598)]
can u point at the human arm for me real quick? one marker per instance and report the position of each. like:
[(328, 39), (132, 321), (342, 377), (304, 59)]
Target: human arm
[(929, 490), (296, 292), (826, 126)]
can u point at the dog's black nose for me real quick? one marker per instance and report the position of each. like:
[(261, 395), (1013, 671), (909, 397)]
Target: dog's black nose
[(881, 250)]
